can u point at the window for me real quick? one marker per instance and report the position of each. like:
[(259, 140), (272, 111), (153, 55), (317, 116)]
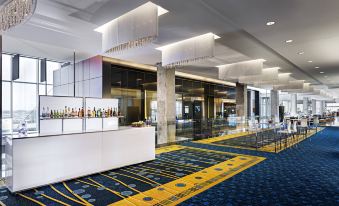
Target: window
[(51, 67), (20, 97), (28, 70), (6, 67), (25, 105), (6, 100)]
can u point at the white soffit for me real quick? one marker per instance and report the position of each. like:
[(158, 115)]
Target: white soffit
[(132, 29), (237, 70), (189, 50), (270, 74)]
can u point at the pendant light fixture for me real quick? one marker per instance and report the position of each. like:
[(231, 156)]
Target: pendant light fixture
[(14, 12), (188, 51), (135, 28)]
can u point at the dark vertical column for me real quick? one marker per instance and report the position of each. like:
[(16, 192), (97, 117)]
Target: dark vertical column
[(256, 103), (43, 70), (15, 67), (249, 103), (74, 73), (1, 102)]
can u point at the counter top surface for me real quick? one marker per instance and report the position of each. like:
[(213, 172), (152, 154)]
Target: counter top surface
[(38, 135)]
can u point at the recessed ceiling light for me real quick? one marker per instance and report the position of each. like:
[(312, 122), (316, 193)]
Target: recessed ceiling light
[(317, 67), (309, 61), (321, 72), (301, 53), (270, 23), (289, 41)]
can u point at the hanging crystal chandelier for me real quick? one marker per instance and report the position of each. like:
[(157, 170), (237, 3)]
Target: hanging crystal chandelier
[(14, 12)]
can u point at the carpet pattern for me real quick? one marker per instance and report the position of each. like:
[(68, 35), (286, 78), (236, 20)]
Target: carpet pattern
[(178, 173), (306, 174)]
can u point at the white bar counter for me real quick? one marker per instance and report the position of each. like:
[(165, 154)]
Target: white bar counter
[(44, 159)]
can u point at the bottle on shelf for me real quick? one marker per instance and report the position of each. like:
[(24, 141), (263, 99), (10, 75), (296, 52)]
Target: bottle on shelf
[(48, 115), (51, 114), (119, 112), (89, 112), (94, 113), (114, 113), (43, 114), (82, 112), (65, 112)]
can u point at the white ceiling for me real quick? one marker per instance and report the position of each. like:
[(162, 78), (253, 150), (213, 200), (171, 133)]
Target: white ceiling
[(60, 27)]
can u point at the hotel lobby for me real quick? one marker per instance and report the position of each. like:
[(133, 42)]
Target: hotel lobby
[(195, 102)]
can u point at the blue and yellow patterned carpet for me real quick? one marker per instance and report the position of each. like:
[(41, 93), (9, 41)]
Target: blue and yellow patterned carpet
[(205, 174), (306, 174)]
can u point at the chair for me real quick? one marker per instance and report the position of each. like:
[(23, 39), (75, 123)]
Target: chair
[(316, 123), (286, 132), (304, 126), (253, 128)]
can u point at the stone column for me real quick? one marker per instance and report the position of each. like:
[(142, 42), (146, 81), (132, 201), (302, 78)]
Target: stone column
[(275, 105), (305, 106), (314, 106), (165, 105), (322, 107), (241, 100), (294, 102)]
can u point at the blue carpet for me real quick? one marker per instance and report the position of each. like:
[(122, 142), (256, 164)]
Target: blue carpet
[(306, 174)]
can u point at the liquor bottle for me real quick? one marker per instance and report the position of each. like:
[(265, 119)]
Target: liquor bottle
[(79, 113), (94, 112), (103, 113), (47, 113), (69, 112), (111, 112), (114, 113), (119, 112), (65, 112), (89, 112), (82, 112), (51, 114), (43, 114)]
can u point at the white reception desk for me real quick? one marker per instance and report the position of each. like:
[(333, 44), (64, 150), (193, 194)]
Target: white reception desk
[(42, 160)]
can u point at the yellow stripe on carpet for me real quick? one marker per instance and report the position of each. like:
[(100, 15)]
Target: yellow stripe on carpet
[(186, 187)]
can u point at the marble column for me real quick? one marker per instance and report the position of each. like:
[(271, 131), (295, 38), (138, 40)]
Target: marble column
[(314, 106), (165, 105), (294, 103), (305, 106), (241, 101), (322, 107), (275, 105)]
